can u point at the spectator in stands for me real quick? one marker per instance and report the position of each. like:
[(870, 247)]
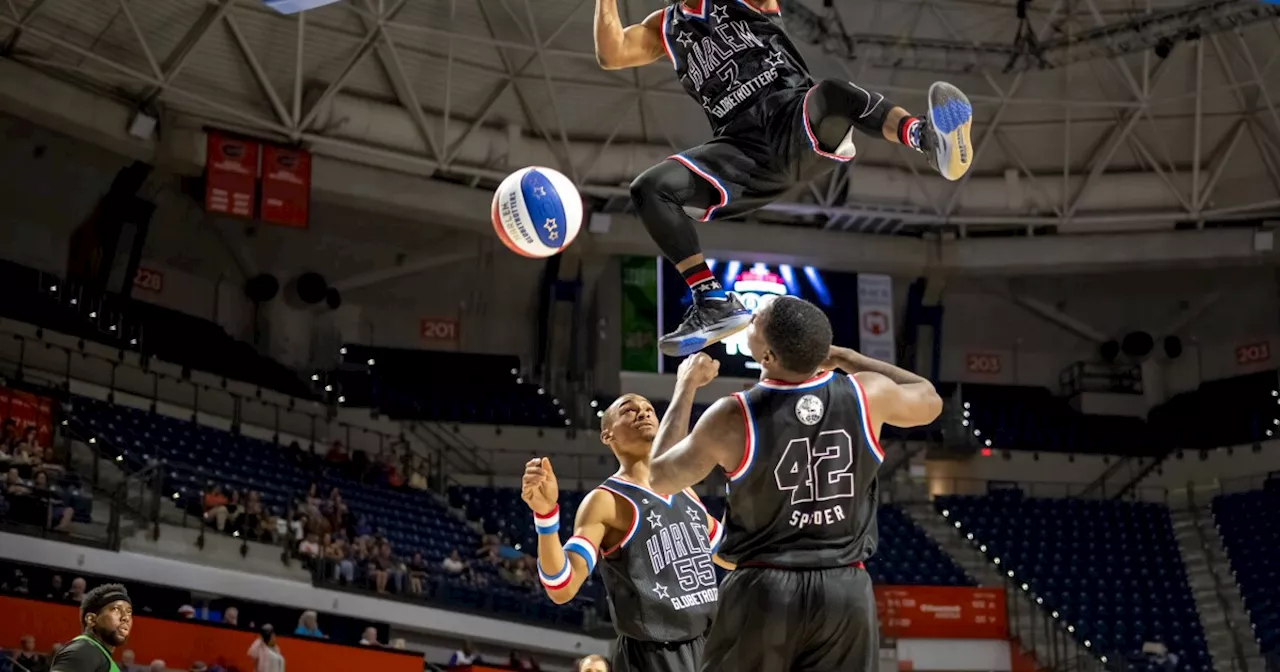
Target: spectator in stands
[(370, 637), (231, 616), (338, 555), (336, 510), (29, 444), (251, 525), (362, 528), (28, 657), (199, 666), (13, 484), (523, 661), (49, 461), (309, 548), (127, 661), (215, 507), (158, 665), (308, 626), (465, 656), (453, 563), (337, 455), (235, 510), (9, 433), (55, 588), (60, 513), (417, 573), (76, 594), (17, 584), (187, 611), (592, 663), (266, 654), (386, 566)]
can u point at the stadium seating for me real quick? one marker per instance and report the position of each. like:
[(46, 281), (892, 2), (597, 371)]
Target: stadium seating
[(1110, 569), (1032, 418), (197, 456), (1249, 523), (906, 555)]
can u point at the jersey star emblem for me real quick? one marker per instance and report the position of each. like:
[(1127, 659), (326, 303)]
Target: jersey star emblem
[(774, 60), (720, 13), (661, 591), (655, 519), (693, 514), (686, 39), (706, 101)]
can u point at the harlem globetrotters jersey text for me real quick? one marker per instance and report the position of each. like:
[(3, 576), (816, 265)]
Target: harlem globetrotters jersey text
[(660, 578), (732, 59)]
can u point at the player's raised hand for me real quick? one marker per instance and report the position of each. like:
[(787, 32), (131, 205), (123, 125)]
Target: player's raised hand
[(698, 370), (538, 487)]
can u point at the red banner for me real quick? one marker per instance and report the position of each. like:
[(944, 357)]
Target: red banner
[(440, 331), (941, 612), (231, 175), (149, 279), (1253, 353), (28, 410), (286, 186)]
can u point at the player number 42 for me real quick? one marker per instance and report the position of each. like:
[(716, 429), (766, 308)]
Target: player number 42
[(817, 470)]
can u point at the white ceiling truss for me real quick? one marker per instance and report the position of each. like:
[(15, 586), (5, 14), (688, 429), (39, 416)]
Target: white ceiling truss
[(1093, 115)]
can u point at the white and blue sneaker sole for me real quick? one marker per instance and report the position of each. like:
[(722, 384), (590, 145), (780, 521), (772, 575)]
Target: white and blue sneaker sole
[(950, 120), (699, 340)]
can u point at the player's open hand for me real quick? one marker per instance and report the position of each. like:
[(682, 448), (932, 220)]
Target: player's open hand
[(698, 370), (538, 487)]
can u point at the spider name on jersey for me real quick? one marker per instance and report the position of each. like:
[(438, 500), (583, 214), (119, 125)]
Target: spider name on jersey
[(827, 516)]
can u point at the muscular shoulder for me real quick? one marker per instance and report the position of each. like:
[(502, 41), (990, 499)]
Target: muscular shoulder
[(79, 656), (602, 507)]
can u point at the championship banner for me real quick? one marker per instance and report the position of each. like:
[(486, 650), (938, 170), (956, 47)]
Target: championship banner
[(639, 321), (941, 612), (231, 175), (875, 317), (28, 410), (286, 186)]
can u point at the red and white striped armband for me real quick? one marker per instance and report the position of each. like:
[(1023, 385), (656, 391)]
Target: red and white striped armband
[(547, 523)]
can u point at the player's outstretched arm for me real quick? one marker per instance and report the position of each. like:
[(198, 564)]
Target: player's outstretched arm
[(562, 568), (620, 47), (717, 440)]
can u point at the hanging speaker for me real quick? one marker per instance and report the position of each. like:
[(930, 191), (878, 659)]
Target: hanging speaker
[(311, 288), (262, 288), (1137, 344), (1172, 347)]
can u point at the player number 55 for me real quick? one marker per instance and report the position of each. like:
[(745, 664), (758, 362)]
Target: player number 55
[(817, 470)]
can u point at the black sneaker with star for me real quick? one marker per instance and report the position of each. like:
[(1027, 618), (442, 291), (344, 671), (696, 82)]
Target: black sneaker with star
[(710, 319)]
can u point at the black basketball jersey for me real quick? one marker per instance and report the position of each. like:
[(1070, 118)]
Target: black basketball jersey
[(660, 579), (732, 58), (804, 495)]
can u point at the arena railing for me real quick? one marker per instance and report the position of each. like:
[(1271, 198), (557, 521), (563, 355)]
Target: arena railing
[(916, 490)]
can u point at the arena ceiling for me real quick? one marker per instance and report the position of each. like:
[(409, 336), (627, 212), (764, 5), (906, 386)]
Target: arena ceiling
[(1094, 115)]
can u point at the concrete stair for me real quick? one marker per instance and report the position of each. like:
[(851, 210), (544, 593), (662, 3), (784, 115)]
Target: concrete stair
[(1227, 629), (1033, 628)]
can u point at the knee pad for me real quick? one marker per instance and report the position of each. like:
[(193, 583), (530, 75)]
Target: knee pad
[(834, 101)]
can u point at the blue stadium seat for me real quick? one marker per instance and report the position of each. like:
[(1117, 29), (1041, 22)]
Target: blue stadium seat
[(1249, 523), (1111, 569)]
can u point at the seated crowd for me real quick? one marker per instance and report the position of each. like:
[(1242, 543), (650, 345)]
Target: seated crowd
[(38, 490)]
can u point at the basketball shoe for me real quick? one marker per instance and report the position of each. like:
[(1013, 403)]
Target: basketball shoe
[(944, 135), (709, 320)]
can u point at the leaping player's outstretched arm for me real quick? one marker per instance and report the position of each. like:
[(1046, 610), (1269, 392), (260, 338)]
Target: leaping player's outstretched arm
[(896, 396), (620, 47), (562, 568)]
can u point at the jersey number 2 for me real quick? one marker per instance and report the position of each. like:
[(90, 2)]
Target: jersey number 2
[(817, 470)]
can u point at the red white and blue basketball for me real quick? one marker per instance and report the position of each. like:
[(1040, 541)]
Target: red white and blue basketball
[(537, 212)]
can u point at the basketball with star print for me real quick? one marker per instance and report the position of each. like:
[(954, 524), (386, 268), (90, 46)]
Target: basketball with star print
[(537, 212)]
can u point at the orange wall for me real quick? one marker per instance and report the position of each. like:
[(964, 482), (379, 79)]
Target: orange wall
[(179, 644)]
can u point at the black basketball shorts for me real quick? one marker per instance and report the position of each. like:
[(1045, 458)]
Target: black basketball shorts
[(781, 620), (756, 162), (635, 655)]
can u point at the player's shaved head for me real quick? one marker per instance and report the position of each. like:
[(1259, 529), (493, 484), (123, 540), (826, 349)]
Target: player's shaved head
[(796, 332), (592, 663)]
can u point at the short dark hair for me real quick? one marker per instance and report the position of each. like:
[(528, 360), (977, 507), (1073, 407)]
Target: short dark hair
[(93, 600), (798, 333)]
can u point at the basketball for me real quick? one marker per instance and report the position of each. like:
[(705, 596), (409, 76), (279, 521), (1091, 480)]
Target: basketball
[(537, 212)]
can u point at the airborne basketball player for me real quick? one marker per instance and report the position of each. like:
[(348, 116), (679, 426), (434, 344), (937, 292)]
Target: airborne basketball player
[(774, 129), (657, 568), (801, 450)]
